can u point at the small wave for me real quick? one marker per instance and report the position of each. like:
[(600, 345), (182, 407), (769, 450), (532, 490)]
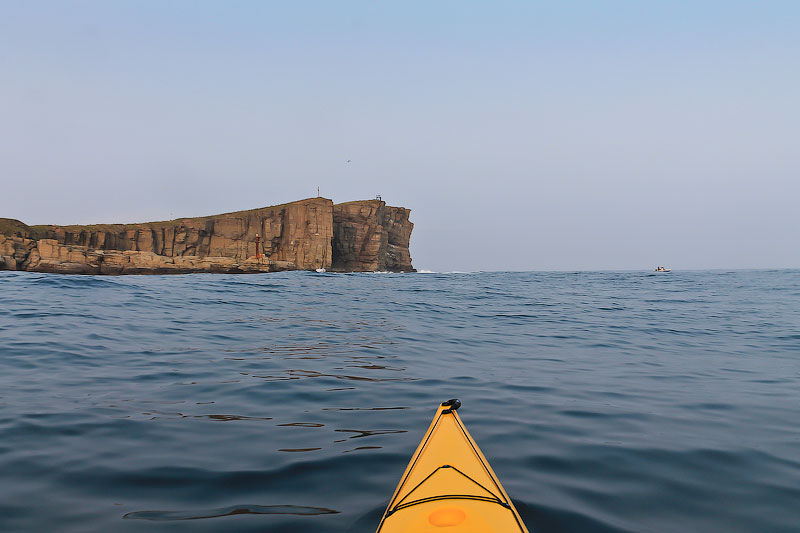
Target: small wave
[(363, 448), (300, 510), (361, 433), (61, 281)]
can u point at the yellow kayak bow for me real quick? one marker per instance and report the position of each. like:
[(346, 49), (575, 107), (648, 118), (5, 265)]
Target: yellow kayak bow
[(449, 486)]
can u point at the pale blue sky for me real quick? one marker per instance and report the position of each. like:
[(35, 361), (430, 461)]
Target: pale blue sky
[(523, 135)]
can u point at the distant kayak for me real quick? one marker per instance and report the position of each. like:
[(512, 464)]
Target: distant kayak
[(449, 486)]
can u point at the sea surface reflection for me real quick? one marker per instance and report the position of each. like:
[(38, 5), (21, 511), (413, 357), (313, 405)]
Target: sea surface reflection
[(605, 401)]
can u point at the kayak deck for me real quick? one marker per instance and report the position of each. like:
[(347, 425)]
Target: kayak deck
[(449, 484)]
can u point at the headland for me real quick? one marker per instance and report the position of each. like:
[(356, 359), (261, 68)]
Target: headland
[(310, 234)]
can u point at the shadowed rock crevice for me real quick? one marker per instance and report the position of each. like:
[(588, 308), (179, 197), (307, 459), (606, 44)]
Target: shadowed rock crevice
[(299, 235)]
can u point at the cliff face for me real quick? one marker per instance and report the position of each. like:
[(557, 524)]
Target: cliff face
[(299, 233), (371, 236), (296, 236)]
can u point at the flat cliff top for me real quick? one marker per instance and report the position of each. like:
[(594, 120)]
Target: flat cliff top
[(161, 223), (374, 201), (10, 226)]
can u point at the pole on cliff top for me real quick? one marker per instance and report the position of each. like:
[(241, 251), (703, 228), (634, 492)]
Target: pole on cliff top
[(317, 192)]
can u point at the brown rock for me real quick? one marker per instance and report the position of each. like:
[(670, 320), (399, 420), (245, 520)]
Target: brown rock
[(300, 235), (371, 236)]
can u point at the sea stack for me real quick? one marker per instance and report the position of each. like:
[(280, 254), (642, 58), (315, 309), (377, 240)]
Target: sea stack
[(310, 234)]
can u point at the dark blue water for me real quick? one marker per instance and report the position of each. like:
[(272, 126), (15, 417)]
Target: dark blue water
[(612, 401)]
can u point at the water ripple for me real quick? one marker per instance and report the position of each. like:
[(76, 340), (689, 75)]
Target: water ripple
[(605, 401), (298, 510)]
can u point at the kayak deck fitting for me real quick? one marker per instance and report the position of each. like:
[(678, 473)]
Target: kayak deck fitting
[(449, 486)]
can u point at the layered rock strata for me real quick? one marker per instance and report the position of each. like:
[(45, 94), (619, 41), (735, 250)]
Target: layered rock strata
[(295, 236), (369, 235)]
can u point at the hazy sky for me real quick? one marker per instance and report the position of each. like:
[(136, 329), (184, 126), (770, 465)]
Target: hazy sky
[(523, 135)]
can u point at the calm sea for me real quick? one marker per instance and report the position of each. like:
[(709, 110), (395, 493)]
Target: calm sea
[(605, 401)]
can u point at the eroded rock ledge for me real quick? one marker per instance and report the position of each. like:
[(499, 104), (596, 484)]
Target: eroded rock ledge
[(304, 235)]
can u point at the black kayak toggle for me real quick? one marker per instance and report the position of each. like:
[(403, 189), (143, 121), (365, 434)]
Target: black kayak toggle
[(454, 404)]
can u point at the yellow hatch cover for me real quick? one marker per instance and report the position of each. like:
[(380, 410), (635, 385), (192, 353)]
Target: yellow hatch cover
[(449, 487)]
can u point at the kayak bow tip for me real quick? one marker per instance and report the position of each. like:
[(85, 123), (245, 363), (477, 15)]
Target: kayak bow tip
[(453, 403)]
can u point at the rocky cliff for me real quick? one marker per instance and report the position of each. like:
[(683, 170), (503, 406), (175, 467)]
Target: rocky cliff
[(369, 235), (295, 236)]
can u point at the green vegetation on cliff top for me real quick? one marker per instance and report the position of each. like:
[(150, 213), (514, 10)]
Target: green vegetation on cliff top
[(12, 227)]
